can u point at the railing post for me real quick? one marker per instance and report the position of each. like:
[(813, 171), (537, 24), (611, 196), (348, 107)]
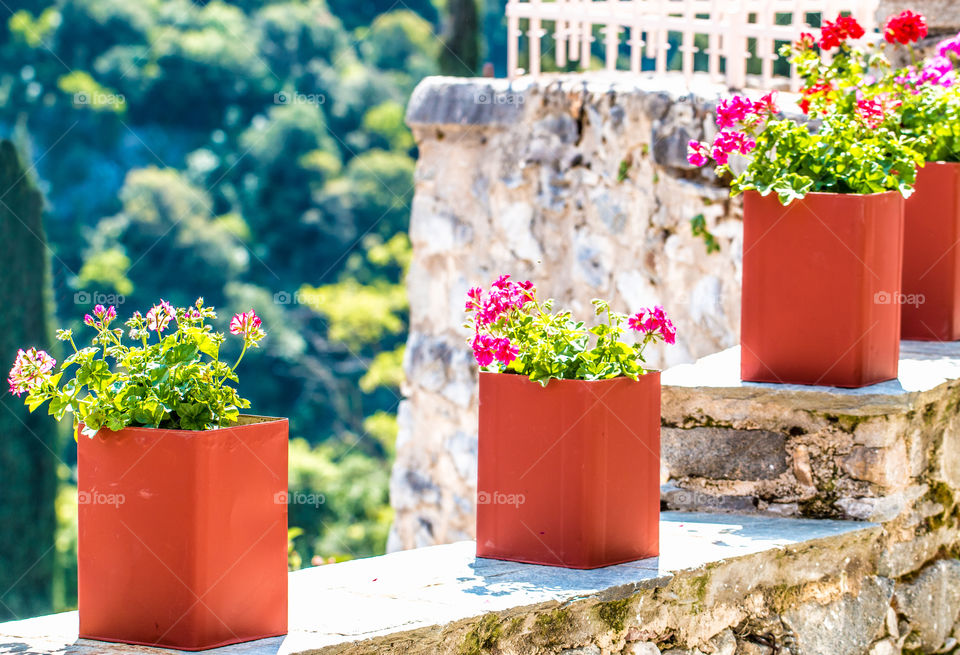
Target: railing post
[(735, 45), (586, 36), (560, 35), (513, 41), (533, 36), (612, 41)]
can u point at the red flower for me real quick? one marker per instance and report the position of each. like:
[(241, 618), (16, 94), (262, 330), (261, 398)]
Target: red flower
[(767, 103), (811, 92), (805, 42), (906, 27), (835, 34)]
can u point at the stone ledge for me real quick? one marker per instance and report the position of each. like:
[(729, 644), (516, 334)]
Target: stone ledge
[(431, 600), (449, 101), (924, 367)]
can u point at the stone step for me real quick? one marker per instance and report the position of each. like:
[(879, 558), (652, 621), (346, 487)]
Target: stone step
[(882, 452)]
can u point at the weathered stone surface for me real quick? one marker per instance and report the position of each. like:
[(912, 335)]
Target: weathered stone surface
[(724, 643), (723, 454), (882, 509), (931, 603), (885, 647), (745, 647), (585, 650), (885, 466), (846, 626), (642, 648)]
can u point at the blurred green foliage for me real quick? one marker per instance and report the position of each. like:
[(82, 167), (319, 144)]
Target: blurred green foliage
[(252, 152)]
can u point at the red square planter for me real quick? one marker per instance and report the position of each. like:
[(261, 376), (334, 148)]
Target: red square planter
[(821, 288), (569, 474), (931, 256), (183, 535)]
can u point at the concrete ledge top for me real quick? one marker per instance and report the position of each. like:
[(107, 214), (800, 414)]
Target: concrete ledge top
[(431, 587), (924, 366)]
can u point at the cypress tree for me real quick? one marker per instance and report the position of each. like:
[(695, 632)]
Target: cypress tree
[(460, 54), (27, 441)]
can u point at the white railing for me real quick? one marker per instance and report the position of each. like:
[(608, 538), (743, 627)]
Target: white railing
[(725, 27)]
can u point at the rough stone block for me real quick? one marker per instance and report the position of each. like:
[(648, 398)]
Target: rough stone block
[(724, 454), (846, 626), (931, 603)]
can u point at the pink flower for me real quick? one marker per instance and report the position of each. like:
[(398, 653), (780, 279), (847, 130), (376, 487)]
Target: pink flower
[(873, 112), (504, 296), (697, 153), (160, 316), (484, 349), (247, 324), (936, 71), (949, 47), (99, 311), (474, 299), (29, 370), (506, 352), (653, 321), (728, 142), (733, 110), (89, 320)]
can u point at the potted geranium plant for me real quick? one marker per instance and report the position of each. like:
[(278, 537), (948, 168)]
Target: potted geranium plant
[(569, 439), (823, 231), (928, 114), (182, 500)]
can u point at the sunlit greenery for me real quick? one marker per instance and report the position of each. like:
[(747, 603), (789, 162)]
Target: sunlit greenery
[(252, 152)]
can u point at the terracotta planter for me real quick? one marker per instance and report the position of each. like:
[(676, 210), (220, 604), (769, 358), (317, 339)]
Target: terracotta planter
[(821, 283), (930, 303), (183, 535), (569, 474)]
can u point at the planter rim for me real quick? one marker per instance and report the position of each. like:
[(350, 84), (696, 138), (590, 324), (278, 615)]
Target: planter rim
[(261, 420), (555, 380), (939, 163), (831, 194)]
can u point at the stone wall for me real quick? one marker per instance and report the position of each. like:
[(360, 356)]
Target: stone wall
[(579, 183)]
